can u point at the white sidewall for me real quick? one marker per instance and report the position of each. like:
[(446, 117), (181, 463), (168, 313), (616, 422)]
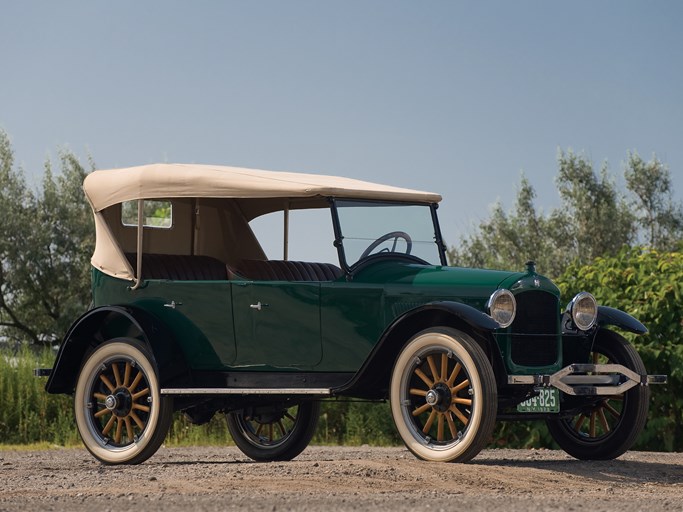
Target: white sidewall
[(109, 351), (441, 341)]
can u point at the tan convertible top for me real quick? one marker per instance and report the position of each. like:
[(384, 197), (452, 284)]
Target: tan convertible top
[(212, 206), (106, 188)]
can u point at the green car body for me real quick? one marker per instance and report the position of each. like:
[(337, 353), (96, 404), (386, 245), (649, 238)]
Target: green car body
[(321, 317), (189, 315)]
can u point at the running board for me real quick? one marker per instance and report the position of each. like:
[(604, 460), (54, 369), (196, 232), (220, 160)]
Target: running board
[(247, 391), (605, 384)]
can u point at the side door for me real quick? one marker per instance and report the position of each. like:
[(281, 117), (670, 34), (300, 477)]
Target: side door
[(277, 323), (200, 315)]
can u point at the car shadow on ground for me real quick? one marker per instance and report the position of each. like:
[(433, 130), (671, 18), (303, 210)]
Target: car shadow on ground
[(618, 470)]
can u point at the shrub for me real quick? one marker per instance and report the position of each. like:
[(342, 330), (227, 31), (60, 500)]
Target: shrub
[(648, 285)]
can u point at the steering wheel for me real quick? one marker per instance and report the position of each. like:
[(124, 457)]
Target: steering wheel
[(393, 234)]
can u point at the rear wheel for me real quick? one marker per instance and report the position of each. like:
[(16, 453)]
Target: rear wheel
[(610, 425), (120, 414), (443, 396), (272, 433)]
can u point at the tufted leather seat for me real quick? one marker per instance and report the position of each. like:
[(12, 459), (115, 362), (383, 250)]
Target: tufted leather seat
[(180, 267), (280, 270)]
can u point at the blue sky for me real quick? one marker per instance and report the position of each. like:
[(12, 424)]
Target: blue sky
[(456, 97)]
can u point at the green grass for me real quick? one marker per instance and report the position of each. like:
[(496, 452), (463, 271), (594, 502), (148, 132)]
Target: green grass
[(348, 423), (44, 445), (27, 413), (356, 423), (29, 416)]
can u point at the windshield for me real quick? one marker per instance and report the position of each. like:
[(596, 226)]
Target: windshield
[(369, 228)]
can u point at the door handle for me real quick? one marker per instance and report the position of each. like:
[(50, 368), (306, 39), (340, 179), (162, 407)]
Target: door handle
[(173, 304), (258, 306)]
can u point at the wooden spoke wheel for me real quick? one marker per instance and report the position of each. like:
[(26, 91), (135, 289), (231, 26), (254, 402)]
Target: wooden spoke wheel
[(610, 425), (120, 413), (443, 396), (274, 432)]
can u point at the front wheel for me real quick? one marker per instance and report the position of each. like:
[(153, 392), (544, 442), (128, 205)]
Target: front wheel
[(610, 425), (276, 432), (120, 413), (443, 396)]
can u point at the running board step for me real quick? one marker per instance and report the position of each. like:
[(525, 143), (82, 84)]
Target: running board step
[(247, 391)]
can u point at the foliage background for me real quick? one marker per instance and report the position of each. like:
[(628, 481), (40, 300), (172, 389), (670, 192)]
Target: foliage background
[(46, 240)]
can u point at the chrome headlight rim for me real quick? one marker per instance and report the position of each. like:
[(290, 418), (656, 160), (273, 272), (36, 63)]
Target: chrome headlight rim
[(493, 307), (577, 313)]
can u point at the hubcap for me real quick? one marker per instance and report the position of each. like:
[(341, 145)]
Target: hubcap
[(441, 412), (119, 403), (122, 400), (111, 403), (440, 396)]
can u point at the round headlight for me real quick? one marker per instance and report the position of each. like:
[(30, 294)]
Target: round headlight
[(584, 310), (502, 307)]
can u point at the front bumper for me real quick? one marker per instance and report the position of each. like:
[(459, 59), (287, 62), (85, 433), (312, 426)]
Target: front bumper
[(590, 379)]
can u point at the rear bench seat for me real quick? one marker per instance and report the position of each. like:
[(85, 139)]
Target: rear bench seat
[(281, 270), (180, 267), (205, 268)]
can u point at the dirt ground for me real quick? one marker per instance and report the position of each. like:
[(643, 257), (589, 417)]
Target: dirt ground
[(339, 478)]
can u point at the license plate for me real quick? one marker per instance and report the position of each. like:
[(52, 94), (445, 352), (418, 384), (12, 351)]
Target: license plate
[(548, 400)]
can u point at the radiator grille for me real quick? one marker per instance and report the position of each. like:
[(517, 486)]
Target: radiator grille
[(534, 331)]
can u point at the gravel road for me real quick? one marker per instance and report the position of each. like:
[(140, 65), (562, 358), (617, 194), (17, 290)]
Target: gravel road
[(339, 478)]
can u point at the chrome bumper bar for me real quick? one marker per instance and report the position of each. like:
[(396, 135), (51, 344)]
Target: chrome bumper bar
[(604, 379)]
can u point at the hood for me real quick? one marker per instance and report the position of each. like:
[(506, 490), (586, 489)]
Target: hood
[(467, 281)]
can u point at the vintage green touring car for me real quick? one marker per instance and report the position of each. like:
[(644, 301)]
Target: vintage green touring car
[(189, 314)]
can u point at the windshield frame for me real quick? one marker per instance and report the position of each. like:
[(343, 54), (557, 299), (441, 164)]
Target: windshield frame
[(339, 236)]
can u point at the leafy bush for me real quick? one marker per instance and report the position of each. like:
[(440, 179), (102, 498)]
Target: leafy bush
[(648, 285)]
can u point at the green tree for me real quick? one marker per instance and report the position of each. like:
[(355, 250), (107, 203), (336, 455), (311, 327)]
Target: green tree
[(46, 241), (658, 216), (508, 240), (599, 221), (594, 219), (16, 203)]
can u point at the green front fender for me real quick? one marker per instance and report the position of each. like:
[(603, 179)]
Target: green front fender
[(618, 318), (372, 380), (471, 316)]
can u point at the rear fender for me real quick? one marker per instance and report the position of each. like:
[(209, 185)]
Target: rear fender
[(108, 322)]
